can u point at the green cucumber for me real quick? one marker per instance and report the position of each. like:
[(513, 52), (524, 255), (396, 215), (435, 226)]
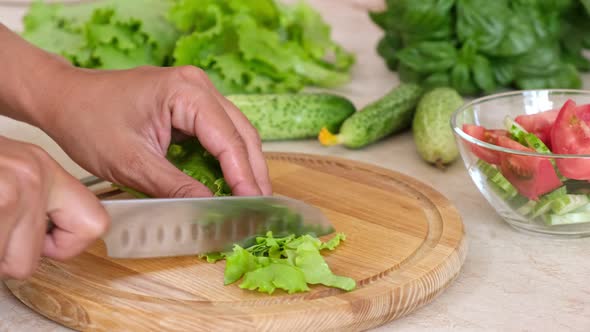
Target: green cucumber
[(583, 208), (433, 135), (503, 183), (497, 181), (499, 191), (293, 116), (535, 143), (568, 203), (516, 131), (567, 219), (486, 168), (386, 116), (530, 140), (519, 201), (527, 208), (546, 201)]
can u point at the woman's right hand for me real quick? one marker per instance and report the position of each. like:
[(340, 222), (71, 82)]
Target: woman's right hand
[(33, 189)]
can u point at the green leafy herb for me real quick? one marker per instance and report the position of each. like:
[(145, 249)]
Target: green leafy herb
[(279, 274), (426, 57), (480, 46), (316, 270), (194, 160), (258, 46), (106, 34), (289, 263)]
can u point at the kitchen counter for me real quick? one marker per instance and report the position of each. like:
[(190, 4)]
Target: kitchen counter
[(511, 281)]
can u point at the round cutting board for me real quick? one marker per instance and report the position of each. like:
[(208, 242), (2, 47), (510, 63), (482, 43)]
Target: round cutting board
[(405, 244)]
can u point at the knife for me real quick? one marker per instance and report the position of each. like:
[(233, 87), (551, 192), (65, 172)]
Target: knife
[(148, 228)]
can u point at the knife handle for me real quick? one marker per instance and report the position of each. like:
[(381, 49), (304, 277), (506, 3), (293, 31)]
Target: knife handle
[(87, 181)]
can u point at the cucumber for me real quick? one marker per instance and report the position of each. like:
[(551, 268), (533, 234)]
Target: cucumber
[(546, 201), (567, 219), (497, 181), (503, 194), (487, 169), (516, 131), (527, 208), (535, 143), (433, 135), (568, 203), (293, 116), (530, 140), (388, 115)]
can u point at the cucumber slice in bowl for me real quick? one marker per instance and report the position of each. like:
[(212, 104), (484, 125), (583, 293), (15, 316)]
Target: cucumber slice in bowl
[(497, 181), (567, 219), (519, 134), (546, 201), (568, 203)]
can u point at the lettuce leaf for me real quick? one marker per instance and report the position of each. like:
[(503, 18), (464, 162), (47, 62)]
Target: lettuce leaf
[(193, 159), (258, 46), (107, 34), (316, 270), (289, 263), (276, 275), (239, 262)]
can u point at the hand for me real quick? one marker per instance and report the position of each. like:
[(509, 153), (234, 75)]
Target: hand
[(119, 124), (34, 187)]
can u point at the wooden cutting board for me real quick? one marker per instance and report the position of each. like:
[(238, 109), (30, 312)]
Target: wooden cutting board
[(405, 244)]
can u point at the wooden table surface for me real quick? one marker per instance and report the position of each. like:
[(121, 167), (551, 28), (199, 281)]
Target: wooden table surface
[(511, 281)]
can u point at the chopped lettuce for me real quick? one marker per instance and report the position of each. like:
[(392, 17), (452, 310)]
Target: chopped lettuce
[(279, 274), (289, 263)]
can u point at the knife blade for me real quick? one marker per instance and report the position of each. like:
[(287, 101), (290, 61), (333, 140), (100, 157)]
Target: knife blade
[(143, 228), (149, 228)]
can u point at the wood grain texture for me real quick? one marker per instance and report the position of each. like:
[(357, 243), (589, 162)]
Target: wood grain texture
[(405, 244)]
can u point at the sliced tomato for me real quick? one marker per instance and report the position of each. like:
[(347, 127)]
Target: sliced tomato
[(486, 135), (494, 133), (583, 112), (571, 135), (539, 124), (532, 176)]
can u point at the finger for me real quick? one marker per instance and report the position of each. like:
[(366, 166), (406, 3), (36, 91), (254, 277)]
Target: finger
[(77, 225), (201, 115), (155, 176), (250, 136), (255, 154), (24, 245)]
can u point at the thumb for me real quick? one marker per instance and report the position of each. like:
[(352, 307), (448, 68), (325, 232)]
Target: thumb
[(78, 216), (158, 177)]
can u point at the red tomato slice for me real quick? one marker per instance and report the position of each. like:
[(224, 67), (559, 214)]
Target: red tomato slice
[(532, 176), (583, 112), (539, 124), (489, 136), (498, 132), (571, 135)]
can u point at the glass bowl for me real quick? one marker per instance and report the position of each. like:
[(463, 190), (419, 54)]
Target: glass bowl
[(528, 188)]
